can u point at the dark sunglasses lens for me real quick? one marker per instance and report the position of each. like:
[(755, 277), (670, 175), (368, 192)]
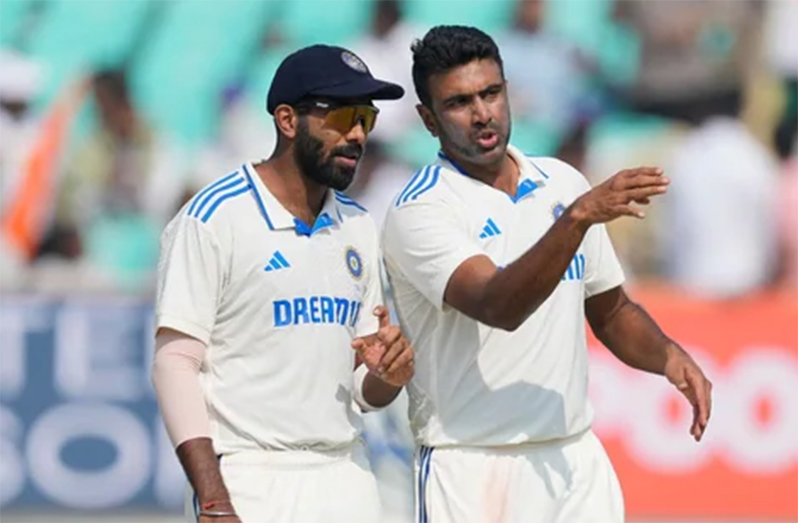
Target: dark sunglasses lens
[(345, 118)]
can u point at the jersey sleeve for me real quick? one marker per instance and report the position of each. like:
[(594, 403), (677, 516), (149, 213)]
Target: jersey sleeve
[(373, 294), (426, 242), (602, 269), (189, 279)]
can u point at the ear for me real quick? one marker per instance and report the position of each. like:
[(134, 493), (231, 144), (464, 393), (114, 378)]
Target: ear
[(428, 118), (286, 119)]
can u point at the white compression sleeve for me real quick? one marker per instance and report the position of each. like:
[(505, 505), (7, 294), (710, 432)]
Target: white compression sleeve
[(175, 376)]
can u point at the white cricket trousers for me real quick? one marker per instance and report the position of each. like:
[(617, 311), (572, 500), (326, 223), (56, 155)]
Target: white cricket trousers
[(299, 486), (565, 481)]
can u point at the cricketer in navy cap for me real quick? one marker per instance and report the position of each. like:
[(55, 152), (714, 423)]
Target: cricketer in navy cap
[(322, 99), (285, 387)]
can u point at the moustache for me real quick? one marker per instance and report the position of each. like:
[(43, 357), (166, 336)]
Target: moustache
[(493, 126), (352, 150)]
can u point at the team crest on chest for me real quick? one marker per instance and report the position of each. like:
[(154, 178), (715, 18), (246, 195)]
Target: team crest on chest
[(557, 209), (353, 263)]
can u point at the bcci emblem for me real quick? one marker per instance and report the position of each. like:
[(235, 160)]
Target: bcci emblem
[(557, 210), (354, 62), (354, 263)]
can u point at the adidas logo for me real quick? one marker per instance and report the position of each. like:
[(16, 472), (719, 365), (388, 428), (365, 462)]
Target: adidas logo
[(490, 229), (277, 262)]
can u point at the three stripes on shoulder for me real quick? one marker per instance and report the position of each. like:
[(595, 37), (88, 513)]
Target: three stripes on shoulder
[(421, 182), (346, 200), (208, 200)]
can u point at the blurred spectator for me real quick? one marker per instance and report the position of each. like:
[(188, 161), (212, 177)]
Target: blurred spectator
[(19, 84), (788, 222), (693, 52), (549, 78), (782, 53), (20, 81), (118, 189), (573, 148), (378, 181), (386, 48), (721, 211)]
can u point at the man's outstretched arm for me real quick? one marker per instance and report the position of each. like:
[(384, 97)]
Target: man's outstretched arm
[(506, 298), (630, 333)]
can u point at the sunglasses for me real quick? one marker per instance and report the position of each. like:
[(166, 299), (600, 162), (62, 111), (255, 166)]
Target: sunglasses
[(344, 118)]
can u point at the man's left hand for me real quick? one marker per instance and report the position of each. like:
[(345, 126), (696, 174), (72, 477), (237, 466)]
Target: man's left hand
[(686, 375)]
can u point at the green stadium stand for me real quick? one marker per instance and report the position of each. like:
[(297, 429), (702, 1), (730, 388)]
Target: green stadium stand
[(13, 16), (305, 22), (260, 74), (76, 36), (125, 247), (415, 147), (489, 15), (589, 25), (627, 127), (534, 138), (199, 48)]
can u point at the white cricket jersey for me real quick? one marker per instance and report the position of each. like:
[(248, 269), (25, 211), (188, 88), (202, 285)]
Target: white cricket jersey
[(278, 303), (477, 385)]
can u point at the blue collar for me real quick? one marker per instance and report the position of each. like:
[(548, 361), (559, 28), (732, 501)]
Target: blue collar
[(323, 221), (526, 185)]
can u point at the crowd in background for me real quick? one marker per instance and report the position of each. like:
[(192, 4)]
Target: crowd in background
[(104, 136)]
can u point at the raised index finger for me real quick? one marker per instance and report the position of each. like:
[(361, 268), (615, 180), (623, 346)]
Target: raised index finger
[(381, 312)]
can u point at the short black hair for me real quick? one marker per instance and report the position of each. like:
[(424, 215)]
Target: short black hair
[(445, 47)]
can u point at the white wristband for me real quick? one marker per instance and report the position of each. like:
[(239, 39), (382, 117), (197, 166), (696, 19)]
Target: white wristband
[(357, 390)]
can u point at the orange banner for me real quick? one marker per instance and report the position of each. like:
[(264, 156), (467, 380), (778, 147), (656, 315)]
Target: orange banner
[(747, 464)]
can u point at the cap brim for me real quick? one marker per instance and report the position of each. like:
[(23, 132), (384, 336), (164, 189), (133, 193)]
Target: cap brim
[(364, 88)]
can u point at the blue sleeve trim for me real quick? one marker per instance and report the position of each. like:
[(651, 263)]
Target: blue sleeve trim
[(221, 199), (419, 184), (346, 200), (199, 196), (412, 183)]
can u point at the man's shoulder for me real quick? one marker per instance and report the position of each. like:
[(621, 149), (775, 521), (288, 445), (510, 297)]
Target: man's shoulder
[(209, 208), (348, 206), (425, 185), (353, 212)]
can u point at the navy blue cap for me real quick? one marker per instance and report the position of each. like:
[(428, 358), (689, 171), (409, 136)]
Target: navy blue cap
[(326, 71)]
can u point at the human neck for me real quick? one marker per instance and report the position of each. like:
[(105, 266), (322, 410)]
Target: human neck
[(300, 195), (502, 174)]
